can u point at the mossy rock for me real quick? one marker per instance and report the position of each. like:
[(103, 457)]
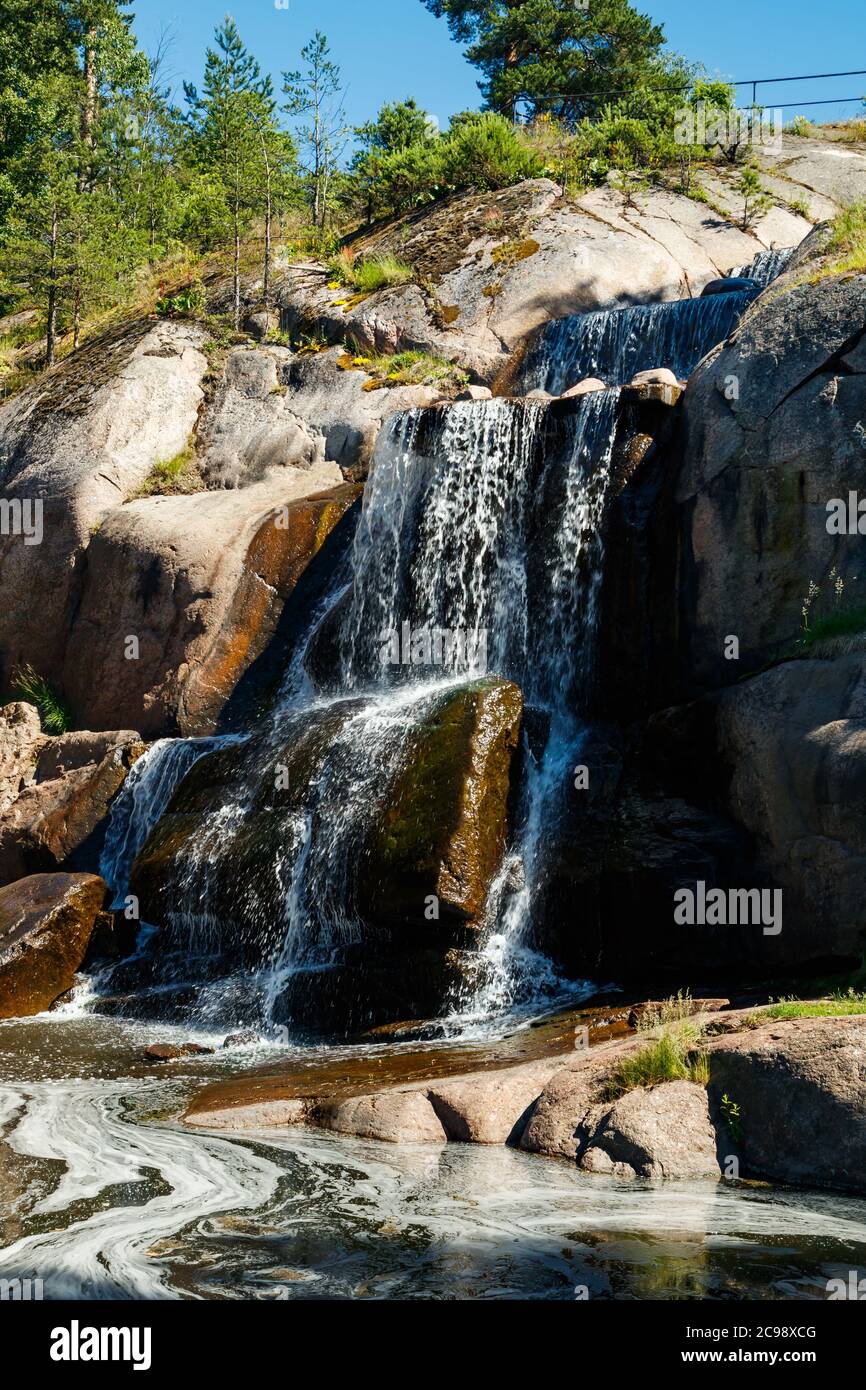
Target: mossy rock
[(443, 828)]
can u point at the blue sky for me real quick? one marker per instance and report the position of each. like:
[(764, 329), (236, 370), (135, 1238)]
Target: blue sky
[(390, 49)]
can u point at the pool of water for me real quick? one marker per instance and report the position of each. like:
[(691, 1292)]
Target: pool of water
[(104, 1193)]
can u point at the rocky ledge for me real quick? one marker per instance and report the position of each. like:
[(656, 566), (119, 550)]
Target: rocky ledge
[(782, 1100)]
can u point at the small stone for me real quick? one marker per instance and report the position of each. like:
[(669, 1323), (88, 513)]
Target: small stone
[(245, 1039), (654, 376), (538, 395), (475, 393), (169, 1052), (583, 388)]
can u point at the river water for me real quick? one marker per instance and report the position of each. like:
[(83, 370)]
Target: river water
[(105, 1193)]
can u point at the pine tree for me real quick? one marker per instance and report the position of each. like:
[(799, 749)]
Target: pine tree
[(554, 56), (235, 105), (314, 93)]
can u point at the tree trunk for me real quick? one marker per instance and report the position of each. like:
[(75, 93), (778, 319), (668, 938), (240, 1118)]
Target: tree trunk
[(51, 324), (88, 112), (236, 273), (266, 273)]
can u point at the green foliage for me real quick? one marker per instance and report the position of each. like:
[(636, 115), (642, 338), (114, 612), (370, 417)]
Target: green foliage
[(670, 1056), (187, 301), (30, 686), (173, 477), (314, 95), (848, 240), (407, 369), (755, 200), (733, 1118), (484, 151), (829, 614), (370, 274), (543, 56), (839, 1006)]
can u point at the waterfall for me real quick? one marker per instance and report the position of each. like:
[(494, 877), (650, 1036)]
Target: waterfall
[(142, 800), (614, 344), (766, 266), (482, 519)]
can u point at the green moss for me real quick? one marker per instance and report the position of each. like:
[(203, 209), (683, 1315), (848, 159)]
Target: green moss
[(512, 252)]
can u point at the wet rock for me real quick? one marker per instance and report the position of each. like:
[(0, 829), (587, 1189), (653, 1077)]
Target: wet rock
[(539, 395), (46, 923), (443, 829), (662, 1132), (246, 1039), (729, 284), (170, 1052), (584, 388)]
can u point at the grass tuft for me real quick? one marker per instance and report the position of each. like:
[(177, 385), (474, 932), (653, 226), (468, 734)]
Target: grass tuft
[(30, 686), (174, 477), (671, 1056)]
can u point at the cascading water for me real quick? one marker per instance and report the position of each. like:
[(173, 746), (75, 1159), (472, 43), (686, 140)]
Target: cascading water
[(481, 520), (615, 344), (766, 266)]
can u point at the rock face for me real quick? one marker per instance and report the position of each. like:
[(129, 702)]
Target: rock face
[(793, 741), (56, 804), (772, 432), (799, 1088), (664, 1132), (443, 829), (46, 922), (496, 266), (81, 440)]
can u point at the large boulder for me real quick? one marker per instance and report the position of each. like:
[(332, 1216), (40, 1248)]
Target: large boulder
[(442, 830), (661, 1132), (793, 741), (46, 924), (60, 813), (79, 441), (772, 432), (799, 1090), (493, 267), (200, 582)]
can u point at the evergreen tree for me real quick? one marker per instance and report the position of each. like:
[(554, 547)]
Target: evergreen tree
[(226, 121), (314, 93), (552, 55)]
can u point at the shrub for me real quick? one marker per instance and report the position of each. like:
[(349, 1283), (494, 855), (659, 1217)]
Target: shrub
[(485, 151), (848, 240), (32, 687)]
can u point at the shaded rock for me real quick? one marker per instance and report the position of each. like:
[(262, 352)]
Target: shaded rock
[(771, 433), (663, 1132), (729, 284), (443, 829), (583, 388), (245, 1039), (799, 1087), (261, 324), (793, 743), (46, 922), (60, 816)]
